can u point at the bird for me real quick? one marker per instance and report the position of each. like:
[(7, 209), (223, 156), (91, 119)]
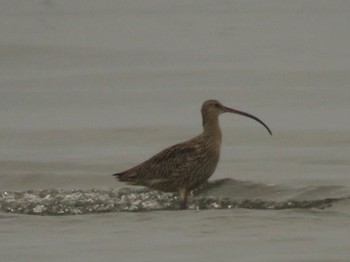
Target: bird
[(184, 166)]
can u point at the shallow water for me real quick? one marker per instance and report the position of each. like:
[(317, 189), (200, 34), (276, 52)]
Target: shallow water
[(212, 195), (88, 89)]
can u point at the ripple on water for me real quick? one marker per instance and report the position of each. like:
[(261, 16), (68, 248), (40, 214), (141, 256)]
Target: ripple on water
[(75, 202)]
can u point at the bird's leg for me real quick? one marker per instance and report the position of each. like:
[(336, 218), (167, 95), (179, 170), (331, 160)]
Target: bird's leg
[(183, 197)]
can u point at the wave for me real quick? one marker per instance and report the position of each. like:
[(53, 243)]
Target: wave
[(211, 195)]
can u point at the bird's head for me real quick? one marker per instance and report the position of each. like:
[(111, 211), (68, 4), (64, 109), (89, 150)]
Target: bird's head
[(213, 108)]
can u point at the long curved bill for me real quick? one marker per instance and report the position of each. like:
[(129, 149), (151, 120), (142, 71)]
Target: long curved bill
[(227, 109)]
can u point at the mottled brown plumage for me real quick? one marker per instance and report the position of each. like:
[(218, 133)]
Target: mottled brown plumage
[(184, 166)]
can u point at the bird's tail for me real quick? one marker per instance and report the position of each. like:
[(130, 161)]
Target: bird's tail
[(120, 176), (128, 177)]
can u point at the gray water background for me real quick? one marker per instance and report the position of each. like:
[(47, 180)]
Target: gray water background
[(89, 88)]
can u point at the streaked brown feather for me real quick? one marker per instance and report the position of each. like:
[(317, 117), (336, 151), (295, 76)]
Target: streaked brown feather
[(184, 166)]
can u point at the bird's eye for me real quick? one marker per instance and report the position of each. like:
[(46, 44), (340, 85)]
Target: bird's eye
[(216, 105)]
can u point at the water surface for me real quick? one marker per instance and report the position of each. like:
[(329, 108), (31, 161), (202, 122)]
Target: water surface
[(88, 89)]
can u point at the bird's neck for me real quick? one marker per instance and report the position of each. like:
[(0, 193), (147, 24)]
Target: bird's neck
[(211, 127)]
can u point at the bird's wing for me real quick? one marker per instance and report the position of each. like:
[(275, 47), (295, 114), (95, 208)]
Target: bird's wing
[(175, 159), (169, 162)]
